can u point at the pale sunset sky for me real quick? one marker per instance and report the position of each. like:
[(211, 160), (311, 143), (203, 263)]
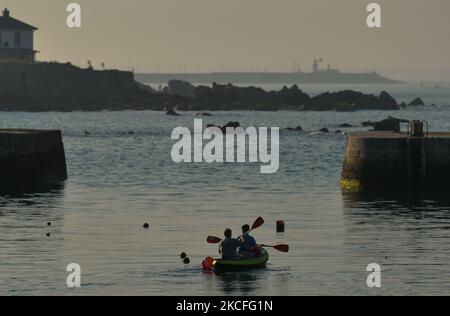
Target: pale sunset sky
[(240, 35)]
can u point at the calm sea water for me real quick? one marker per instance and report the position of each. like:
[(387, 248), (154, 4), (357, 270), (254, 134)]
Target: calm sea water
[(118, 181)]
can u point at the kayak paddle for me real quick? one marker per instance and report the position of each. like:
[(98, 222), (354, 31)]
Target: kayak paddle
[(213, 240), (258, 223), (282, 248)]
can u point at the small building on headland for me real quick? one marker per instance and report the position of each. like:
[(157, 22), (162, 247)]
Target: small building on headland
[(16, 40)]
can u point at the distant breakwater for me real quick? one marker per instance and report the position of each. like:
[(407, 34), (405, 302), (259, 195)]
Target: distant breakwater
[(64, 87), (324, 77)]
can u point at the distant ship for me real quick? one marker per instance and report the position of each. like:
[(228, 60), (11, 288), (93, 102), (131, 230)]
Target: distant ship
[(317, 76)]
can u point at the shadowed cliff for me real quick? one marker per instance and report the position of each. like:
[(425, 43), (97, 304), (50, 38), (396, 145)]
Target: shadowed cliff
[(64, 87)]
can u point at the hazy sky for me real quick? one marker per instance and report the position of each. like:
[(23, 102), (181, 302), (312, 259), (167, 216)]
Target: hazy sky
[(207, 35)]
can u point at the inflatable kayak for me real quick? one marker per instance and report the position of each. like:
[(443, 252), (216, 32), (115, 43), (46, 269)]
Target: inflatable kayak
[(241, 264)]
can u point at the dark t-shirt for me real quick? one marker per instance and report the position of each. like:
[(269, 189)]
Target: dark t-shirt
[(229, 248), (248, 245)]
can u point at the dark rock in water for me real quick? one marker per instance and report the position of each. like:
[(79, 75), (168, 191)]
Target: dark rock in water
[(232, 124), (145, 88), (386, 101), (368, 124), (49, 224), (345, 125), (48, 234), (416, 102), (125, 133), (298, 129), (390, 124), (199, 114), (338, 132), (348, 100), (289, 96), (172, 112), (324, 130), (230, 97), (402, 105), (181, 88), (224, 128)]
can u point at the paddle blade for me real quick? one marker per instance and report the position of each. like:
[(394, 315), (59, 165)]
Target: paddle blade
[(213, 240), (259, 221), (282, 248)]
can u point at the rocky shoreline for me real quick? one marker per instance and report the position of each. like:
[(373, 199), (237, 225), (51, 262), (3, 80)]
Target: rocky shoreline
[(232, 98), (64, 87)]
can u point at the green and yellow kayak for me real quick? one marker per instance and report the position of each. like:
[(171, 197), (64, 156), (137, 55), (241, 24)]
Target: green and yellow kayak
[(239, 264)]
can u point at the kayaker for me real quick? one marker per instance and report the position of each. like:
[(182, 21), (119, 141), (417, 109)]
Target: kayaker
[(248, 246), (228, 247)]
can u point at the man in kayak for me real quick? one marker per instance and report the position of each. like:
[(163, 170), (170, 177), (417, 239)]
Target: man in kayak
[(228, 247), (248, 247)]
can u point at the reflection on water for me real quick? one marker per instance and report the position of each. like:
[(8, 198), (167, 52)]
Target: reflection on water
[(405, 232), (40, 190), (249, 282), (244, 282), (39, 203), (399, 202), (26, 239)]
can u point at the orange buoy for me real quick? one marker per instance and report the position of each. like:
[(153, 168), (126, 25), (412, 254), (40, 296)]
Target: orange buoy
[(207, 263)]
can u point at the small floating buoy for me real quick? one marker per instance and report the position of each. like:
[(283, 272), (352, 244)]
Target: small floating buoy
[(280, 226), (48, 234), (49, 224), (186, 260), (146, 225), (183, 255)]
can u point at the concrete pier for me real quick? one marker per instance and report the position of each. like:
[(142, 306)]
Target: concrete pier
[(380, 159), (31, 159)]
